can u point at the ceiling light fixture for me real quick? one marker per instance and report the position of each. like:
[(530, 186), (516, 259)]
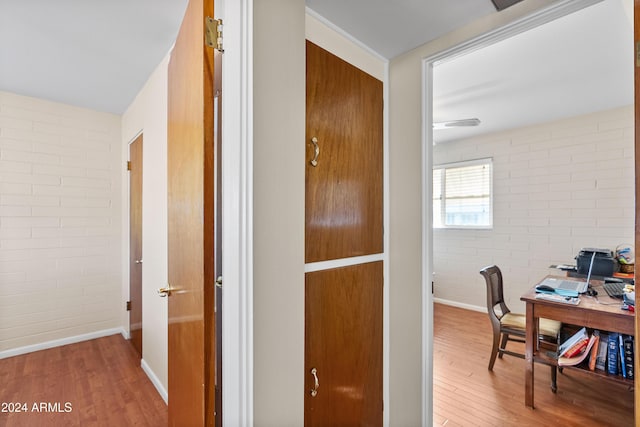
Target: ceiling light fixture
[(503, 4), (456, 124)]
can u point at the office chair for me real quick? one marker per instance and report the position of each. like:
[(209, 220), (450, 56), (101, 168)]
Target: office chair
[(508, 326)]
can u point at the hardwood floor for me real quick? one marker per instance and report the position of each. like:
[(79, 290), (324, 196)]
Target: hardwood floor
[(92, 383), (103, 382), (466, 393)]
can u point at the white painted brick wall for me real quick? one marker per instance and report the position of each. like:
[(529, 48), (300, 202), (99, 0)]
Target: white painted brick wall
[(60, 221), (558, 187)]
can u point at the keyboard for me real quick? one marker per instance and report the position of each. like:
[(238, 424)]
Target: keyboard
[(614, 290)]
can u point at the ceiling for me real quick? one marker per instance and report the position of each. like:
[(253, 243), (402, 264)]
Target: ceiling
[(90, 53), (575, 65), (394, 27), (98, 54)]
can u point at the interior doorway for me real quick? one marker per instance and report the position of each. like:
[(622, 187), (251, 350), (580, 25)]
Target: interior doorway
[(534, 20)]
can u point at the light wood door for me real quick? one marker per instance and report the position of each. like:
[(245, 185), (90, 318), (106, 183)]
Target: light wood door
[(135, 243), (344, 107), (191, 222), (343, 345)]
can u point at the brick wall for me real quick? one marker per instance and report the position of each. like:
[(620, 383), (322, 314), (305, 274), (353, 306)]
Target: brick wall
[(59, 221), (558, 187)]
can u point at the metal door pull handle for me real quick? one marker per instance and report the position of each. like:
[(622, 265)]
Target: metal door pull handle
[(314, 391), (314, 161)]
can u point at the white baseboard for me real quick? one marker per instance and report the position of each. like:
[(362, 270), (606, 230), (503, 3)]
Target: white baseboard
[(155, 381), (60, 342), (460, 305)]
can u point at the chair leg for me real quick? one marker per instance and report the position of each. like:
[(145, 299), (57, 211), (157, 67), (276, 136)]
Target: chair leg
[(503, 344), (554, 376), (494, 351)]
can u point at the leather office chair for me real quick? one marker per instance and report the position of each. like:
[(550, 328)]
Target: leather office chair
[(508, 326)]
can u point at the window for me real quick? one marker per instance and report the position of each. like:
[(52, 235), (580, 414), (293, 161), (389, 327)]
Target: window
[(462, 195)]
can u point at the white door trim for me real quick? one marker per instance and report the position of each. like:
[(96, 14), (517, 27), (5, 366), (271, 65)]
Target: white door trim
[(237, 197), (535, 19)]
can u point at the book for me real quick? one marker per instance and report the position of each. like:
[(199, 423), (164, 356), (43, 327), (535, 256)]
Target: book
[(612, 354), (603, 349), (575, 360), (594, 350), (576, 349), (622, 368), (628, 356), (575, 343)]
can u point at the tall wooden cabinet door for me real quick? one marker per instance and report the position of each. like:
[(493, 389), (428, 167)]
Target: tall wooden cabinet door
[(344, 108), (343, 346), (191, 187)]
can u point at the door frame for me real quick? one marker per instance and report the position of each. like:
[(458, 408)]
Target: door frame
[(237, 202), (535, 19)]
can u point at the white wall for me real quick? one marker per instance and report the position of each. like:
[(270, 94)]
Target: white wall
[(278, 212), (60, 222), (148, 114), (558, 187)]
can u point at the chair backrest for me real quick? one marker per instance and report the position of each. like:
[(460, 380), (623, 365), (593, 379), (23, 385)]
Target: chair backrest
[(493, 277)]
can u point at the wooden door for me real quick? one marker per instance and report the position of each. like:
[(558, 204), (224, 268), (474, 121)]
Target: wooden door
[(191, 222), (135, 243), (344, 215), (343, 331), (343, 203)]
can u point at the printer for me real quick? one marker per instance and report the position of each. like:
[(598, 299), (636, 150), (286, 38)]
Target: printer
[(603, 262)]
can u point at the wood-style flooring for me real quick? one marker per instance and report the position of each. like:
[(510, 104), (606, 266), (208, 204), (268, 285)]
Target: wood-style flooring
[(466, 393), (92, 383), (105, 386)]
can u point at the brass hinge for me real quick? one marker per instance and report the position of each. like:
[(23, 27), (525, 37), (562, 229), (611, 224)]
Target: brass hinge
[(128, 305), (213, 36), (128, 165)]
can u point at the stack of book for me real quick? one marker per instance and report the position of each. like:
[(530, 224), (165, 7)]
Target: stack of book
[(610, 352), (576, 349)]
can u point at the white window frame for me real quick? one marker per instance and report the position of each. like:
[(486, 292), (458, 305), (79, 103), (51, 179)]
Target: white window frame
[(446, 166)]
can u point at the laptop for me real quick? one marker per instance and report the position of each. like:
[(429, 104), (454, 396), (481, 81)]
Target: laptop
[(566, 287)]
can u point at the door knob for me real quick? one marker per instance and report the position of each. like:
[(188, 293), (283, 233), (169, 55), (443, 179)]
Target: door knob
[(138, 261), (219, 281), (165, 292)]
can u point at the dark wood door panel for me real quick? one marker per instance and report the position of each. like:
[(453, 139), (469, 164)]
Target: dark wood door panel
[(343, 342), (135, 243), (344, 191)]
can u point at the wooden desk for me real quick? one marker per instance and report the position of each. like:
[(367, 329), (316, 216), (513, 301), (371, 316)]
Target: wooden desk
[(601, 312)]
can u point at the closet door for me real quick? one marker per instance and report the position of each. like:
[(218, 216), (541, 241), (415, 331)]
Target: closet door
[(343, 346), (344, 217), (344, 183)]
